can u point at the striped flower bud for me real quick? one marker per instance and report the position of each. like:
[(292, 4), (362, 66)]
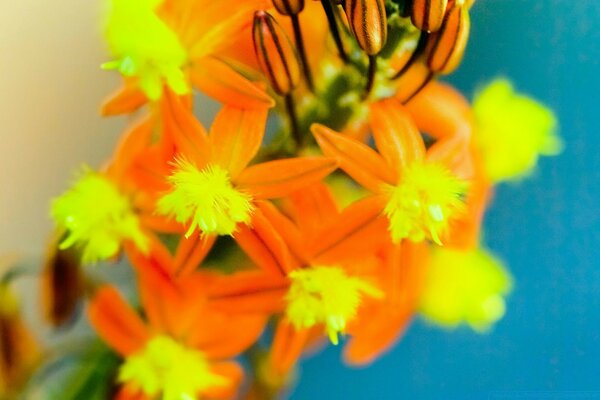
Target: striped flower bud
[(427, 15), (368, 21), (288, 7), (275, 53), (447, 46)]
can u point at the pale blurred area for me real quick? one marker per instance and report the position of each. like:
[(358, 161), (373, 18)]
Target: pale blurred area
[(51, 87)]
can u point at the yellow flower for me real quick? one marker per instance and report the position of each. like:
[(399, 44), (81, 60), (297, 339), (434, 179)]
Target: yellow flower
[(96, 217), (427, 198), (165, 366), (326, 295), (145, 47), (464, 286), (513, 130), (207, 198)]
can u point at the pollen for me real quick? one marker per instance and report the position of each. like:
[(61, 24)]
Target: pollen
[(96, 217), (145, 47), (513, 130), (424, 202), (165, 366), (465, 286), (205, 199), (326, 295)]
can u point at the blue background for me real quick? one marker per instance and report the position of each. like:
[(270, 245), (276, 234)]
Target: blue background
[(546, 228)]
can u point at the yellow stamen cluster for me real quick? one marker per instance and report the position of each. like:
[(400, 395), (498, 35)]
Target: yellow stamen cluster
[(464, 286), (326, 295), (145, 47), (205, 199), (424, 202), (165, 366), (97, 218), (513, 130)]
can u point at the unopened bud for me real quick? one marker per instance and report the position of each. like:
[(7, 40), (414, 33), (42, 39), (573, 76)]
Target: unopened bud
[(368, 21), (288, 7), (428, 15), (275, 53), (447, 46)]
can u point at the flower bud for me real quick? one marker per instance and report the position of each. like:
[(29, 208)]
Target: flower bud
[(427, 15), (447, 46), (275, 53), (368, 21), (288, 7)]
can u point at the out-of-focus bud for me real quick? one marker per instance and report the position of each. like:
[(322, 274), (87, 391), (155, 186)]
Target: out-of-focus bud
[(62, 285), (288, 7), (427, 15), (368, 21), (275, 53), (447, 46), (19, 352)]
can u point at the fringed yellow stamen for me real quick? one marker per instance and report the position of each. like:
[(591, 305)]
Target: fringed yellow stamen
[(465, 286), (205, 199), (326, 295), (165, 366), (424, 202), (145, 47), (97, 218), (513, 130)]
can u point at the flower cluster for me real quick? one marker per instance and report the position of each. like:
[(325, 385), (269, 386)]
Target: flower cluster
[(360, 209)]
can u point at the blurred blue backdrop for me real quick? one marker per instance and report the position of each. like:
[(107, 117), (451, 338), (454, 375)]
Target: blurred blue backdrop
[(546, 228)]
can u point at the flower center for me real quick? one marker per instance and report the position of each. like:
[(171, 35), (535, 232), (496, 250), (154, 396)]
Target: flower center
[(205, 199), (97, 218), (424, 202), (145, 47), (164, 366), (326, 295)]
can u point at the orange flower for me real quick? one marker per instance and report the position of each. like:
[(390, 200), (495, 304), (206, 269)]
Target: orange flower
[(179, 44), (446, 115), (184, 347), (212, 188), (421, 190), (317, 269)]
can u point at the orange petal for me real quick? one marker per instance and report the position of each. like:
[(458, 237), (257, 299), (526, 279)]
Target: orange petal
[(357, 232), (454, 153), (279, 178), (125, 100), (396, 135), (440, 111), (236, 136), (218, 80), (233, 337), (286, 229), (264, 246), (129, 147), (184, 130), (190, 252), (116, 322), (248, 292), (385, 329), (233, 373), (312, 207), (357, 159), (287, 347)]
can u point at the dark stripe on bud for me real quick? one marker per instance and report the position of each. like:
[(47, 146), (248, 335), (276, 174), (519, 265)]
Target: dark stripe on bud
[(275, 53), (428, 15), (447, 46), (288, 7), (368, 21)]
